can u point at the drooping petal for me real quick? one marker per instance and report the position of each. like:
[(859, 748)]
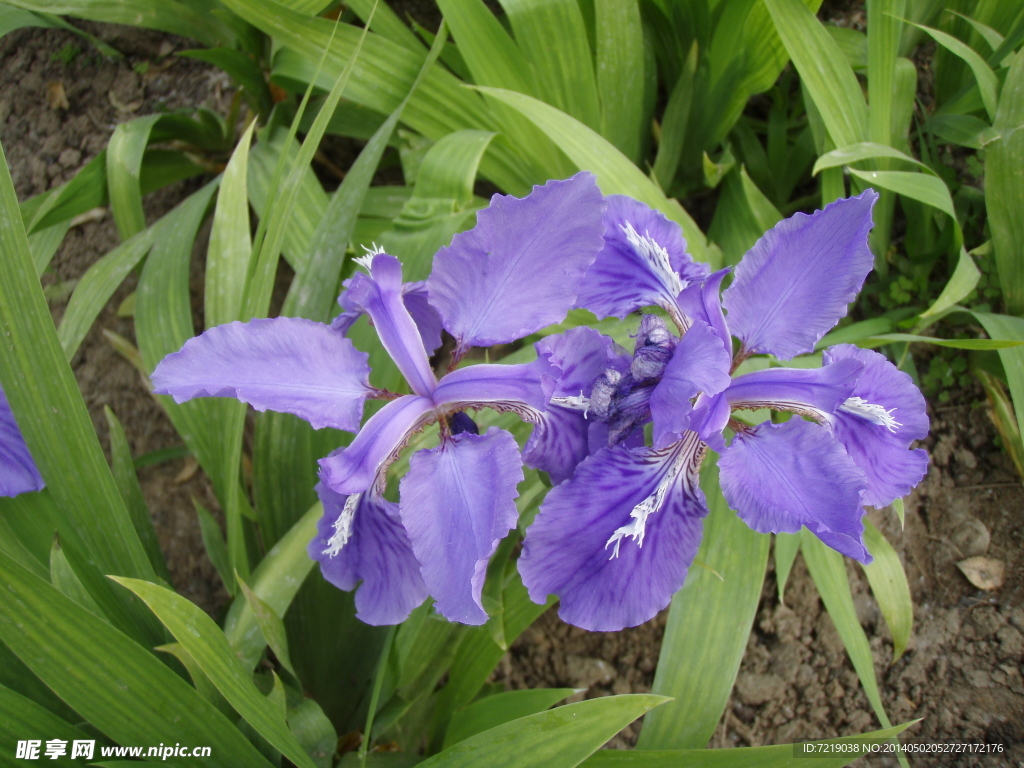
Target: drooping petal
[(285, 364), (524, 388), (457, 503), (887, 413), (380, 296), (797, 280), (519, 269), (699, 364), (779, 477), (614, 542), (361, 538), (815, 392), (18, 473), (414, 296), (354, 468), (701, 301), (643, 263)]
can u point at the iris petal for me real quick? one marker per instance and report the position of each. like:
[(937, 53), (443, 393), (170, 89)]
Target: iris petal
[(779, 477), (377, 553), (587, 546), (414, 296), (457, 503), (18, 473), (797, 280), (519, 269), (285, 364)]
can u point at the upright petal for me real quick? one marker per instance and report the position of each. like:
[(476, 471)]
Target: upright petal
[(797, 280), (779, 477), (18, 473), (709, 417), (701, 301), (699, 364), (519, 269), (356, 467), (361, 538), (524, 388), (614, 542), (885, 414), (380, 296), (581, 354), (285, 364), (643, 263), (815, 392), (414, 296), (457, 503)]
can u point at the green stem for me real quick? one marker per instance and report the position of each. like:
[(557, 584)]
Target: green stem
[(378, 682)]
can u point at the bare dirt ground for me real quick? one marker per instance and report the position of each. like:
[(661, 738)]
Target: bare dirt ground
[(963, 670)]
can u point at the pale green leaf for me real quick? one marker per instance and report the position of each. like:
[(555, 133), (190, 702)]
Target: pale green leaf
[(205, 642), (964, 280), (491, 711), (889, 586), (708, 626), (929, 190), (888, 338), (987, 81), (787, 545), (124, 166), (1008, 327), (865, 150), (620, 74)]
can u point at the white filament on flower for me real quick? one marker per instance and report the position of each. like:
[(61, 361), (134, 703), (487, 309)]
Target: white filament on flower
[(647, 249), (575, 402), (366, 261), (343, 526), (876, 414), (636, 527)]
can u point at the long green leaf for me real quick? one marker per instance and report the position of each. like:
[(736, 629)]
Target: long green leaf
[(707, 630), (114, 683), (929, 190), (124, 167), (787, 545), (491, 711), (620, 74), (591, 152), (776, 756), (889, 586), (275, 581), (829, 573), (988, 83), (1004, 189), (559, 738), (51, 413), (885, 27), (22, 719), (823, 70), (1008, 327), (1011, 343), (205, 642), (230, 249), (964, 280), (865, 150)]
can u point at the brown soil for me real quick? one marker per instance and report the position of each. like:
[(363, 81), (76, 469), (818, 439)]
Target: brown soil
[(962, 671)]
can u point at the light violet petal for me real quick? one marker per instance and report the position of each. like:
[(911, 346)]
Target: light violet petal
[(570, 549), (779, 477), (797, 280), (285, 364), (519, 269), (813, 392), (699, 364), (380, 296), (414, 296), (643, 263), (354, 468), (709, 418), (377, 553), (581, 354), (457, 503), (18, 473), (559, 442), (701, 301), (524, 388)]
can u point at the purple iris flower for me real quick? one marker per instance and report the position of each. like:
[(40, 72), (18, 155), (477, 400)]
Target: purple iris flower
[(516, 272), (18, 473), (615, 540)]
